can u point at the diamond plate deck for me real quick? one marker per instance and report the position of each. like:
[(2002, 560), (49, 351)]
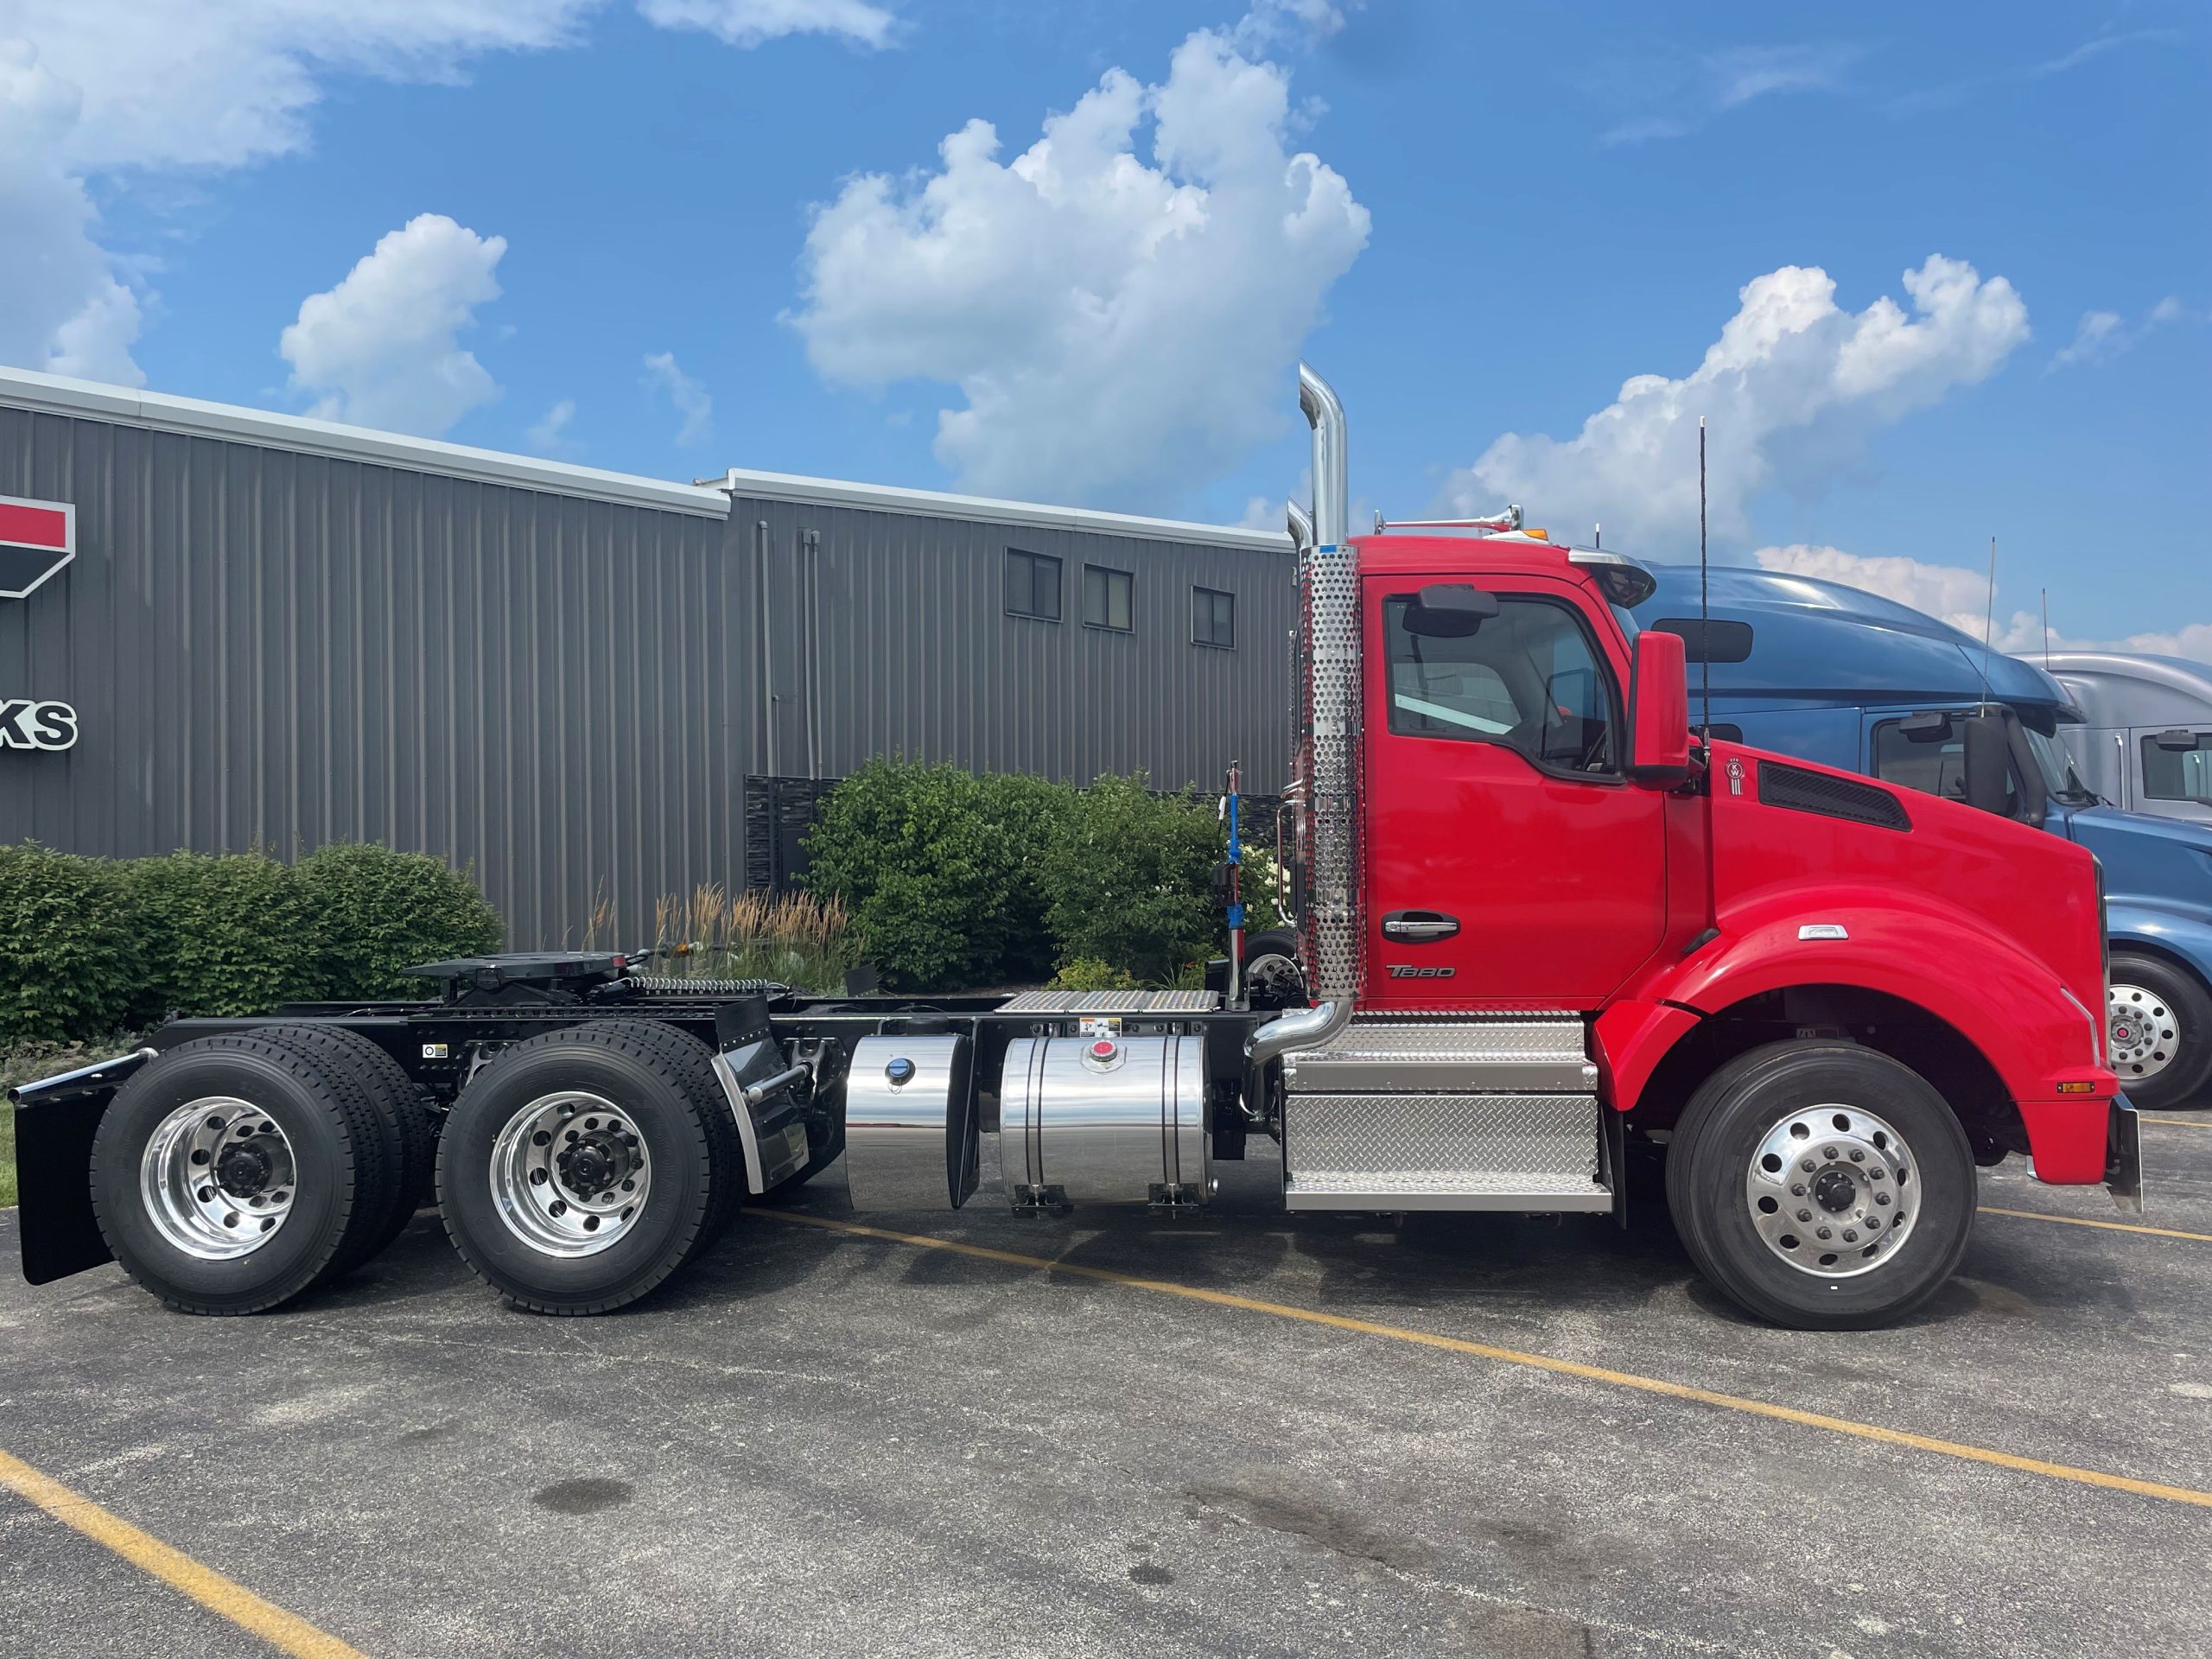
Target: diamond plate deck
[(1506, 1056), (1080, 1002), (1474, 1151)]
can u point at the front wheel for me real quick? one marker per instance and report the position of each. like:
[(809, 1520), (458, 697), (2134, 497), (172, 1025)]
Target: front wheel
[(1273, 978), (1821, 1186), (2161, 1031)]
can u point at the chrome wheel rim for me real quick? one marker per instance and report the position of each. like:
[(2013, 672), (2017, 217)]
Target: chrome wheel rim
[(571, 1174), (217, 1178), (1833, 1190), (1274, 982), (2144, 1033)]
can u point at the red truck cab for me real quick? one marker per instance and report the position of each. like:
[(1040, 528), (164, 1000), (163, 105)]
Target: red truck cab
[(1538, 836)]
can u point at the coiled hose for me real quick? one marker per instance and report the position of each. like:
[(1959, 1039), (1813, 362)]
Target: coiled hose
[(666, 985)]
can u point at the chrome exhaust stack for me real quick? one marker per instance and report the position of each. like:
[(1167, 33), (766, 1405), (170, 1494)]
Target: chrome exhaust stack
[(1327, 770)]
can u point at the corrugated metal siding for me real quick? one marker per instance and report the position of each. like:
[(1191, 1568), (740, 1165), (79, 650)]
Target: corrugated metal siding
[(899, 643), (277, 650), (273, 648)]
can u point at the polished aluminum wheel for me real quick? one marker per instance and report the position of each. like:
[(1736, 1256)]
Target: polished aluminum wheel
[(569, 1173), (1831, 1190), (217, 1178), (2145, 1035)]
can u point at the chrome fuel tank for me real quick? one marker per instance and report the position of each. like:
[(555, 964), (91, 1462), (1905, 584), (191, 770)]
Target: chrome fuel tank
[(910, 1124), (1105, 1119)]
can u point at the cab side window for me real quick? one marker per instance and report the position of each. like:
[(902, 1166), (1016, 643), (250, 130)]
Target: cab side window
[(1529, 679), (2177, 767), (1929, 755)]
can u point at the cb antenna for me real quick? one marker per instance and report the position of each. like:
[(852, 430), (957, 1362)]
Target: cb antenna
[(1704, 598), (2046, 630), (1988, 626)]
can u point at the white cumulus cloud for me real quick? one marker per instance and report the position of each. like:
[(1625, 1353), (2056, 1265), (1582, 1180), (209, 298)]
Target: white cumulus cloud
[(2102, 336), (1120, 304), (382, 348), (1959, 596), (549, 434), (1792, 388), (748, 22), (688, 396), (62, 307)]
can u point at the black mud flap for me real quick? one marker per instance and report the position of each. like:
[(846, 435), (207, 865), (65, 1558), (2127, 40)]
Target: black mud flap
[(55, 1121), (2123, 1156)]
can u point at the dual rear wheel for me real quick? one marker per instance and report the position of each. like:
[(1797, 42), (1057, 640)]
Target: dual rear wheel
[(576, 1172)]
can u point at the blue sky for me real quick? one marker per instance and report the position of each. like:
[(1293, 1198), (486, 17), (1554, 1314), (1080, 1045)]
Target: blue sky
[(655, 222)]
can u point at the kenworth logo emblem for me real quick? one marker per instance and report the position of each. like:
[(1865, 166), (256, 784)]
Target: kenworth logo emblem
[(36, 539), (1409, 970), (25, 724)]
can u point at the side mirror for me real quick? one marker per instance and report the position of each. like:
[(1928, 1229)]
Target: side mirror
[(1659, 710), (1449, 610), (2183, 741), (1989, 763)]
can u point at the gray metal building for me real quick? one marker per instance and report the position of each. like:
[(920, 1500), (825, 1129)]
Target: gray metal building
[(276, 631)]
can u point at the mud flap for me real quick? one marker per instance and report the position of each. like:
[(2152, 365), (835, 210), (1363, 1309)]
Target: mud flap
[(2123, 1156), (55, 1121)]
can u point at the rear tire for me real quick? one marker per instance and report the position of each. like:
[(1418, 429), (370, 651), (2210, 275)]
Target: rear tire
[(2160, 1031), (1273, 977), (305, 1176), (409, 1130), (549, 1224), (1862, 1238)]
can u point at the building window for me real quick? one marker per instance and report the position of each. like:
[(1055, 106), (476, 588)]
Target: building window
[(1213, 618), (1032, 585), (1107, 596)]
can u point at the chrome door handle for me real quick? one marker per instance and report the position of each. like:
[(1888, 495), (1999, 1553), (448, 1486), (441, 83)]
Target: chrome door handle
[(1419, 926)]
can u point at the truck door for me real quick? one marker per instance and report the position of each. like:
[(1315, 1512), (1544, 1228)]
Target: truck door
[(1509, 862)]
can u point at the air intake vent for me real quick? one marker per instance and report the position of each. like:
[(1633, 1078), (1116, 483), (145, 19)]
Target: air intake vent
[(1830, 797)]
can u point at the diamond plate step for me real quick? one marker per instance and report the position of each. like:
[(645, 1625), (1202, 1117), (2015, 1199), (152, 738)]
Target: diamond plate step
[(1443, 1152), (1508, 1057)]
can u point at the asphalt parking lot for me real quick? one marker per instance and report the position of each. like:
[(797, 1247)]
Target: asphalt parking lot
[(1300, 1435)]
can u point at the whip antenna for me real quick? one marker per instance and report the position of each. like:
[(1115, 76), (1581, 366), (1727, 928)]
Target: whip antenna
[(2046, 630), (1988, 624), (1704, 598)]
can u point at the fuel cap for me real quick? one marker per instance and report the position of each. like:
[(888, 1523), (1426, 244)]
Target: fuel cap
[(900, 1071), (1103, 1049)]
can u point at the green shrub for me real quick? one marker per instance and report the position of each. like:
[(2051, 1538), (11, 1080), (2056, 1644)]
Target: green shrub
[(1089, 974), (932, 872), (1129, 880), (378, 911), (220, 934), (68, 958)]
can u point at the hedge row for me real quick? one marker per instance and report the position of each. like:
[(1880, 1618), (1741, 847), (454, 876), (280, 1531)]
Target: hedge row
[(958, 880), (90, 945)]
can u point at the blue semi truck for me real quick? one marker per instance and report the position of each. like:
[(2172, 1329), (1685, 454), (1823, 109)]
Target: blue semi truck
[(1850, 679)]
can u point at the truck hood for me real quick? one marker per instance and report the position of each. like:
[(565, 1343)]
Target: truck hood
[(1784, 829), (2157, 861)]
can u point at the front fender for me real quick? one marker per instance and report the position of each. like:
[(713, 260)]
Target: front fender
[(2181, 932), (2011, 1006)]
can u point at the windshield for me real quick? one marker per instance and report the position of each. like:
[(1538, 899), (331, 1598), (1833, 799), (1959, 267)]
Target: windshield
[(2059, 776)]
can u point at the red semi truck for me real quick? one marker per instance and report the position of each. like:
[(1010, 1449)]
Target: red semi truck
[(1543, 925)]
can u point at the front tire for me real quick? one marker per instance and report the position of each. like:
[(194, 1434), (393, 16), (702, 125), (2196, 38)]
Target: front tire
[(584, 1167), (1273, 977), (1821, 1186), (2160, 1023)]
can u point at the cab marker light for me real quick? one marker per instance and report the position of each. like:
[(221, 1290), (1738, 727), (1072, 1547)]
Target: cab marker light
[(1823, 931)]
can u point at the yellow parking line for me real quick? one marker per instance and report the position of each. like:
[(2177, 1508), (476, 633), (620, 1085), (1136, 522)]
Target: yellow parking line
[(2109, 1226), (1958, 1449), (284, 1632), (2174, 1123)]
